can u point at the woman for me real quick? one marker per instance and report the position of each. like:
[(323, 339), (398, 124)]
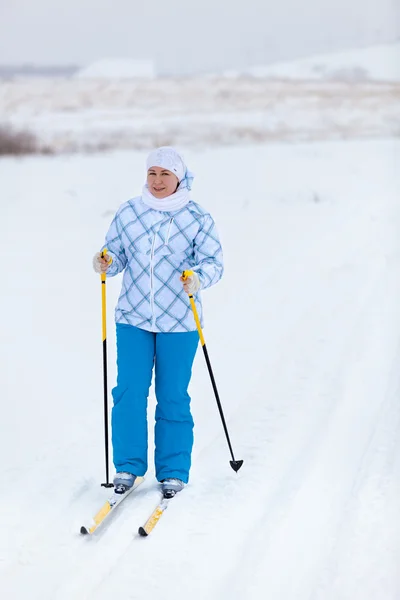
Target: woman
[(153, 238)]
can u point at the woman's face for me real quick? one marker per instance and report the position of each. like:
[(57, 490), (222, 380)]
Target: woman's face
[(161, 182)]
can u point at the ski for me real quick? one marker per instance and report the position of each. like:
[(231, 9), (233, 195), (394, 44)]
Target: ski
[(154, 517), (108, 507)]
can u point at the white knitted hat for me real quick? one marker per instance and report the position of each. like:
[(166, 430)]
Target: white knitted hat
[(167, 157)]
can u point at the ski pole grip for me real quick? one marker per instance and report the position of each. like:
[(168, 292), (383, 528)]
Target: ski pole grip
[(186, 274), (104, 254)]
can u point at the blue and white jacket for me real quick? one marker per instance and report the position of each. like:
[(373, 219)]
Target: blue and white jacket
[(153, 248)]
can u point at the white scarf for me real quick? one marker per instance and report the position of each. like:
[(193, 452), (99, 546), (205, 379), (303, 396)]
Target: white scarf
[(173, 202)]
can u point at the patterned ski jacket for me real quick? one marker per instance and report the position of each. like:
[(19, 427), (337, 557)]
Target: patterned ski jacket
[(153, 248)]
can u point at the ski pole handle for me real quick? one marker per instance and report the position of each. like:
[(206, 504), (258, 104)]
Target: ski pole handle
[(105, 255), (186, 274)]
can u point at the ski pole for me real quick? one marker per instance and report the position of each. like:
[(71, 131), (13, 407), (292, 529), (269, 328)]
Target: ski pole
[(235, 464), (107, 484)]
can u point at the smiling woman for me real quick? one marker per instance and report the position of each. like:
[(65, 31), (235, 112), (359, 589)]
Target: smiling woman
[(153, 238)]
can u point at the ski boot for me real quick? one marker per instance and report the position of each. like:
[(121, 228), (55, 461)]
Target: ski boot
[(171, 486), (123, 482)]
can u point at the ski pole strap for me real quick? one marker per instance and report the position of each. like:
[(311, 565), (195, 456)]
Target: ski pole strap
[(185, 275)]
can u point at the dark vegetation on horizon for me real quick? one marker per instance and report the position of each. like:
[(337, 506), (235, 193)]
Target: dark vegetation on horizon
[(19, 142)]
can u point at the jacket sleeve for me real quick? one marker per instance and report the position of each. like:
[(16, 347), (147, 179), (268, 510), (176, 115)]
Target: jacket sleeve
[(208, 254), (115, 247)]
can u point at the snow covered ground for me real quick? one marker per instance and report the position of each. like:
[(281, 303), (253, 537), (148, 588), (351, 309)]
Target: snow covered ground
[(303, 334), (80, 115), (379, 63)]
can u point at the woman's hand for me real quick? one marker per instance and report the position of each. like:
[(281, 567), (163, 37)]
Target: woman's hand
[(191, 284), (101, 264)]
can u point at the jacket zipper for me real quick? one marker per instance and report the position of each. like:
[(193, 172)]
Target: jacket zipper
[(153, 316), (169, 230)]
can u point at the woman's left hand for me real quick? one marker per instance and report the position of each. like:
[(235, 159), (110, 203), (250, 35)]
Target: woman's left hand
[(191, 284)]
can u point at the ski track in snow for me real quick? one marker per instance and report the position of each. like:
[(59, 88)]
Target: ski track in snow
[(378, 479), (307, 360)]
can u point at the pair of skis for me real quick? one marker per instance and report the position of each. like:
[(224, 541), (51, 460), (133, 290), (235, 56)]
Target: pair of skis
[(115, 500)]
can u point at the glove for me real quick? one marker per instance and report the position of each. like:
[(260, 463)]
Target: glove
[(100, 265), (191, 284)]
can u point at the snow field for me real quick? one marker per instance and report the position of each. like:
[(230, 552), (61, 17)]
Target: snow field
[(303, 336)]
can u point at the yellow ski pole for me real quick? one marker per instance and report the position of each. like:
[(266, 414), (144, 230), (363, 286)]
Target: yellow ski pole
[(235, 464), (107, 484)]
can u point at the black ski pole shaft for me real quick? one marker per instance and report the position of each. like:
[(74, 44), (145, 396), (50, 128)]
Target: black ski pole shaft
[(235, 464)]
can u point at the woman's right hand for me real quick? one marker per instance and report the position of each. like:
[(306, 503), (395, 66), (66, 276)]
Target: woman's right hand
[(101, 264)]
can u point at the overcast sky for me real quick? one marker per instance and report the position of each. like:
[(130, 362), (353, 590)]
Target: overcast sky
[(184, 36)]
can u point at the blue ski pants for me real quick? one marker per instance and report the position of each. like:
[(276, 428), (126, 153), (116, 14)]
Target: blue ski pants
[(172, 355)]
